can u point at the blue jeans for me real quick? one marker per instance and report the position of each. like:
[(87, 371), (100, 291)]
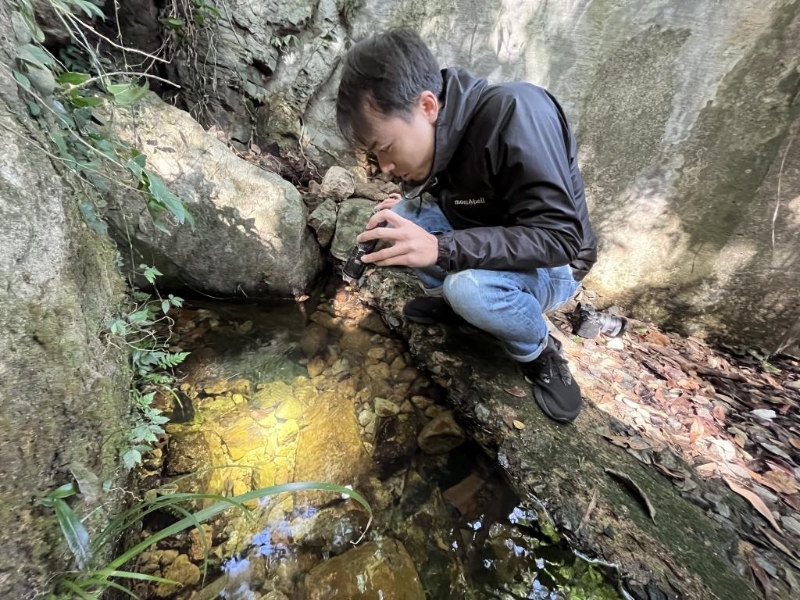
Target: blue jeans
[(507, 304)]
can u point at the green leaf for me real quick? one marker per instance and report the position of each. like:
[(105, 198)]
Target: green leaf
[(165, 306), (23, 80), (104, 583), (176, 301), (131, 575), (80, 592), (89, 8), (74, 532), (173, 23), (65, 491), (138, 317), (225, 503), (161, 194), (127, 93), (34, 108), (73, 78), (131, 458), (150, 273), (86, 101), (35, 55)]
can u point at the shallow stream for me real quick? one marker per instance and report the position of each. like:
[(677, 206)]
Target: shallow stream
[(271, 394)]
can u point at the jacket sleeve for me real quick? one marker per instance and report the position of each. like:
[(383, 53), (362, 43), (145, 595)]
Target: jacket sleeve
[(529, 151)]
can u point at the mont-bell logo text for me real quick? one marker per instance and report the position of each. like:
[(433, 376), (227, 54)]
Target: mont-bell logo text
[(469, 201)]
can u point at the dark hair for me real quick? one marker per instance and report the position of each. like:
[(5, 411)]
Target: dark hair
[(386, 72)]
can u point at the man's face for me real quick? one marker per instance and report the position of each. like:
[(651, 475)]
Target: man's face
[(404, 146)]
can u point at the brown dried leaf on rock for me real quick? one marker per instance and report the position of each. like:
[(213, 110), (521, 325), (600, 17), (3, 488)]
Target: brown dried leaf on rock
[(760, 574), (516, 391), (755, 501)]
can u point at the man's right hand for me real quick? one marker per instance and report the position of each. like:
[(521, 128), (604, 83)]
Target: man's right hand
[(389, 202)]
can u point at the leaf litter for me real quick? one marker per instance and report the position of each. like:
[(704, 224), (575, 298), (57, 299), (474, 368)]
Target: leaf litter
[(730, 414)]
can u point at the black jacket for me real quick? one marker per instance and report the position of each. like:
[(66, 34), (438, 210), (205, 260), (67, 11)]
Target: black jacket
[(505, 173)]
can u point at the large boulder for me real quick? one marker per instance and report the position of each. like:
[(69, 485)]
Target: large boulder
[(64, 389), (250, 235), (685, 128)]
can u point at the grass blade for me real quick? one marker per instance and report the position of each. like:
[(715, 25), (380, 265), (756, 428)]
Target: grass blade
[(215, 509), (78, 591), (102, 583)]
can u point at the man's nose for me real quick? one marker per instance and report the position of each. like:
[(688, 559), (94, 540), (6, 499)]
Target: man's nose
[(386, 167)]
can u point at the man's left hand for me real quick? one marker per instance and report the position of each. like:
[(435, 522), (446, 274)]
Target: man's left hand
[(410, 244)]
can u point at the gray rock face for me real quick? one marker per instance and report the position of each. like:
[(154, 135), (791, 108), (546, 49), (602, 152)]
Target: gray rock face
[(323, 221), (250, 234), (353, 216), (684, 118), (64, 390)]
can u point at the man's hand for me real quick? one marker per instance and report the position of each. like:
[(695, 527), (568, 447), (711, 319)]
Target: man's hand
[(389, 202), (411, 245)]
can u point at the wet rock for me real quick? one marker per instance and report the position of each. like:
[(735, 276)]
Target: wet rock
[(331, 530), (385, 408), (380, 570), (407, 375), (421, 402), (338, 184), (357, 341), (464, 495), (441, 435), (287, 432), (316, 366), (245, 435), (188, 452), (182, 572), (323, 221), (353, 215), (329, 445), (397, 365), (378, 372), (372, 322), (201, 542), (378, 353), (340, 366), (313, 339), (395, 443), (291, 408), (365, 417)]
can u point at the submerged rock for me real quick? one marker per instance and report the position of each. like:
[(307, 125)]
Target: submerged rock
[(441, 435), (380, 570)]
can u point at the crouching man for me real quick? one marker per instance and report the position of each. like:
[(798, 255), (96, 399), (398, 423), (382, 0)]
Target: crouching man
[(496, 225)]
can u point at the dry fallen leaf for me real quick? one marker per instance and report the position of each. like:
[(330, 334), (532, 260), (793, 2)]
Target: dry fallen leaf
[(719, 413), (760, 575), (795, 442), (757, 503), (516, 391), (696, 431), (519, 424)]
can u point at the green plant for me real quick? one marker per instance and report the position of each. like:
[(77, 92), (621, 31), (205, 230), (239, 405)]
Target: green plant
[(283, 42), (65, 102), (152, 364), (94, 576)]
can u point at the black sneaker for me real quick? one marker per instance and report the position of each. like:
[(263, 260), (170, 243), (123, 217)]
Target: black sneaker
[(556, 392), (428, 310)]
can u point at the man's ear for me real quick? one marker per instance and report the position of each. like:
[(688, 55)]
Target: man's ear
[(429, 105)]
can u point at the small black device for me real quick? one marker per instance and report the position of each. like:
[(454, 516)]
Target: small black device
[(353, 269), (588, 323)]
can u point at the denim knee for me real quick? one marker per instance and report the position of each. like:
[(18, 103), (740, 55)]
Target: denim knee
[(465, 292)]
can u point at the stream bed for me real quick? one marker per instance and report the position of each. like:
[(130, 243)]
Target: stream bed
[(277, 393)]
